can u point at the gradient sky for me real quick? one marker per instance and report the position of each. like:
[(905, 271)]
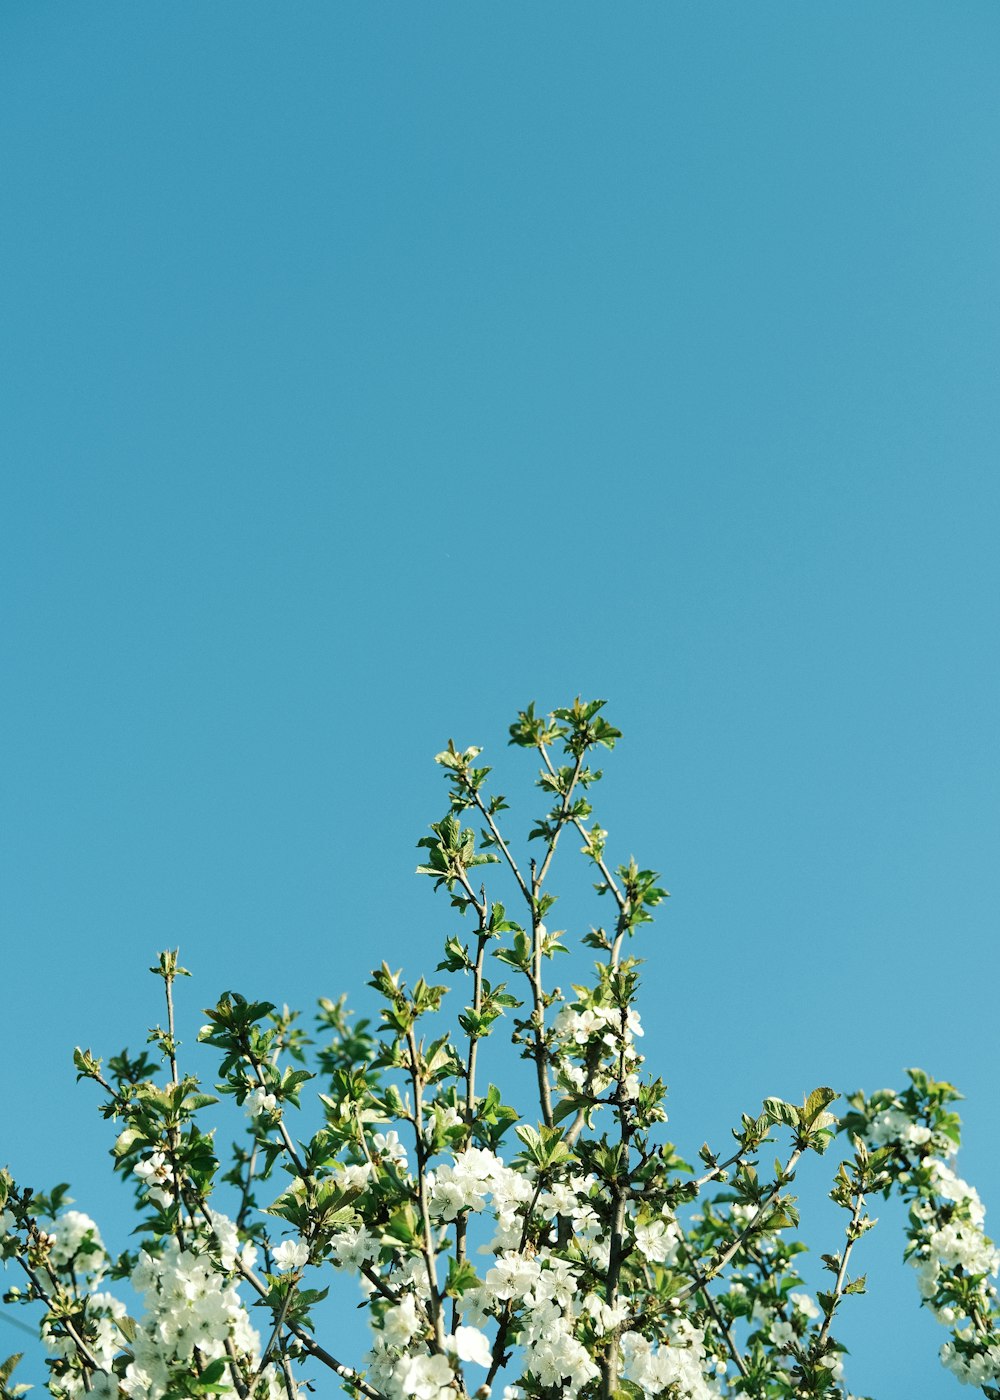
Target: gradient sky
[(371, 369)]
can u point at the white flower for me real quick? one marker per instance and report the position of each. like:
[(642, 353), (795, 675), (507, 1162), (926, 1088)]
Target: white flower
[(77, 1240), (574, 1075), (605, 1316), (193, 1313), (389, 1145), (680, 1365), (229, 1243), (888, 1126), (953, 1188), (355, 1177), (259, 1101), (354, 1247), (426, 1377), (578, 1026), (290, 1254), (803, 1304), (782, 1332), (155, 1174), (400, 1324), (657, 1240), (473, 1345), (476, 1174)]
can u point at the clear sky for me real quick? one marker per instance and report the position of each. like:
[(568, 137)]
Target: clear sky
[(370, 369)]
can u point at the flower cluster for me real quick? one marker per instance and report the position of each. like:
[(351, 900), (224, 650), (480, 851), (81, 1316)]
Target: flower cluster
[(104, 1337), (947, 1246), (194, 1322), (402, 1365), (193, 1316), (542, 1295), (594, 1047), (677, 1364)]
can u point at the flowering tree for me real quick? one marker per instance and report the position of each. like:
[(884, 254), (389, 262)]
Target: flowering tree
[(571, 1253)]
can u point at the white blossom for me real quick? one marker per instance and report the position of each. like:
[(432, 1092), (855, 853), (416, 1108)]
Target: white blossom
[(190, 1307), (680, 1363), (426, 1378), (76, 1240), (290, 1254), (259, 1102), (401, 1323), (472, 1345), (658, 1240), (390, 1145), (155, 1175), (354, 1247), (802, 1303)]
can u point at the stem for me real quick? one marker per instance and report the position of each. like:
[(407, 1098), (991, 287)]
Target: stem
[(430, 1259), (346, 1373), (279, 1322), (379, 1283), (838, 1287), (598, 860), (724, 1330), (483, 935), (363, 1139), (283, 1132), (554, 840), (718, 1169), (477, 1006), (537, 880), (242, 1390), (531, 896), (168, 985), (619, 1194), (246, 1187), (508, 1307), (487, 816), (289, 1379), (721, 1260), (538, 1017), (86, 1355), (482, 938), (173, 1137)]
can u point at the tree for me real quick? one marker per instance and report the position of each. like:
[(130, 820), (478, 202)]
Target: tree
[(613, 1268)]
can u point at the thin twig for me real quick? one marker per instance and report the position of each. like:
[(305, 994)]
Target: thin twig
[(721, 1260), (430, 1260), (838, 1287)]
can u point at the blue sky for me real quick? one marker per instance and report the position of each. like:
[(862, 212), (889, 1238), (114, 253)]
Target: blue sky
[(373, 369)]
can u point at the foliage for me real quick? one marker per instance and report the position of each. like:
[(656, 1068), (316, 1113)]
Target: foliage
[(606, 1266)]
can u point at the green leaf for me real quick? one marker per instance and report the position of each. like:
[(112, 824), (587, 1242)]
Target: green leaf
[(208, 1381), (460, 1278), (7, 1367), (815, 1105), (778, 1111)]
